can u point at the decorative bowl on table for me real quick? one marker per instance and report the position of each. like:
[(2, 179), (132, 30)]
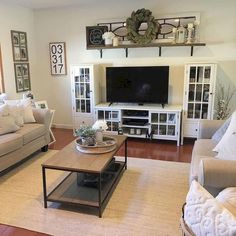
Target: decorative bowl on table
[(107, 145)]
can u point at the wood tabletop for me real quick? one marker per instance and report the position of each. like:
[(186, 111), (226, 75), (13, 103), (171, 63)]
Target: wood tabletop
[(70, 159)]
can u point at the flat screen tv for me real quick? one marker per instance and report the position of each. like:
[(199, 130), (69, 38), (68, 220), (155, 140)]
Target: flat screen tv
[(147, 84)]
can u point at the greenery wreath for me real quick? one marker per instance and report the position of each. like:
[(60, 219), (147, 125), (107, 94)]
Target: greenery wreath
[(133, 23)]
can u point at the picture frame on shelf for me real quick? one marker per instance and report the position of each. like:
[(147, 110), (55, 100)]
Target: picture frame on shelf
[(41, 104), (22, 77), (57, 52), (19, 46), (94, 35)]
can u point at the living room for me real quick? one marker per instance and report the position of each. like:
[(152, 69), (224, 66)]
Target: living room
[(66, 21)]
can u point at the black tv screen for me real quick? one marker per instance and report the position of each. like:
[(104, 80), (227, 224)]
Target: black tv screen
[(147, 84)]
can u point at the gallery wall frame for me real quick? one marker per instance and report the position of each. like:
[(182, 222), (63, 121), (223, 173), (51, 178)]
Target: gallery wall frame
[(19, 46), (57, 52), (22, 77)]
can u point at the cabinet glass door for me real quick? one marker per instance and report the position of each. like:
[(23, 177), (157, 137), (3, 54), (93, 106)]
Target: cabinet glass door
[(198, 92), (82, 91)]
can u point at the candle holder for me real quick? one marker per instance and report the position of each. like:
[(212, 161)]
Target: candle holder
[(190, 34)]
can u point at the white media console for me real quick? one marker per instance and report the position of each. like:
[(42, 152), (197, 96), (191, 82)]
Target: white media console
[(147, 121)]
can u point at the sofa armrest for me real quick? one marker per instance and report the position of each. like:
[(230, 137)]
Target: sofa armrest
[(206, 128), (43, 116), (217, 174)]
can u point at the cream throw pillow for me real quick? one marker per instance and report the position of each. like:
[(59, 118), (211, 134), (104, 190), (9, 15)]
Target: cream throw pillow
[(228, 198), (205, 215), (226, 148), (16, 112), (4, 111), (25, 105), (7, 125)]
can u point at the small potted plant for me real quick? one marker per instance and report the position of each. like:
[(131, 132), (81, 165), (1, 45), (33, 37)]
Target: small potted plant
[(87, 135), (108, 37)]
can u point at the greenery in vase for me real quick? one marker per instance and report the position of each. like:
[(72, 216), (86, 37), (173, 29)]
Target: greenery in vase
[(85, 131), (223, 99)]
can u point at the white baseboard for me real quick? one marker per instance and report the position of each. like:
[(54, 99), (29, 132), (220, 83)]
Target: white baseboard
[(62, 126)]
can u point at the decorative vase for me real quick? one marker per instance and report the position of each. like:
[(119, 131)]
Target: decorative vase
[(190, 34), (88, 141), (181, 31), (174, 31), (196, 32), (108, 41)]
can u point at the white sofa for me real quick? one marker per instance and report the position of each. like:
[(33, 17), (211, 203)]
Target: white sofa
[(211, 202), (14, 147), (213, 174)]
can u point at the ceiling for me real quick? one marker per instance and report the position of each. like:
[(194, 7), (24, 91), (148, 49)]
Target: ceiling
[(42, 4)]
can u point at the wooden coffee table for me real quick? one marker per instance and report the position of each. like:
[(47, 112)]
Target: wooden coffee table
[(92, 178)]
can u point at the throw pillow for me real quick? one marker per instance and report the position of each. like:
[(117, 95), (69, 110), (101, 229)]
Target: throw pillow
[(4, 110), (226, 148), (28, 112), (204, 215), (217, 136), (24, 104), (7, 125), (228, 198), (17, 112)]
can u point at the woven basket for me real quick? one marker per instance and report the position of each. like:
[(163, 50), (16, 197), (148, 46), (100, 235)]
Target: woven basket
[(185, 229)]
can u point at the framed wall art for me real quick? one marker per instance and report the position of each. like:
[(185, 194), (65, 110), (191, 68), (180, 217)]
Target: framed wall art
[(58, 58), (41, 104), (19, 46), (94, 35), (22, 77)]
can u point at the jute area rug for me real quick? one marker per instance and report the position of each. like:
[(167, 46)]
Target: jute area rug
[(147, 201)]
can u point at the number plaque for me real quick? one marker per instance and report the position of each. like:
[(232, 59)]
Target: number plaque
[(58, 58)]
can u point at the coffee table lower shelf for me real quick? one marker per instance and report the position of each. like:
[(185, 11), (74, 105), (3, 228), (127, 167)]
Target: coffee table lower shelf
[(73, 190)]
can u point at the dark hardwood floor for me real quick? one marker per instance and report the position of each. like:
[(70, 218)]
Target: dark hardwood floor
[(139, 148), (7, 230)]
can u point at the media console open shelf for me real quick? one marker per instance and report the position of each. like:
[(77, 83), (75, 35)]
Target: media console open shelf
[(158, 45), (150, 121)]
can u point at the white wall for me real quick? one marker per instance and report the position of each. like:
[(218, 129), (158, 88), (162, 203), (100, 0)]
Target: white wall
[(19, 19), (68, 24)]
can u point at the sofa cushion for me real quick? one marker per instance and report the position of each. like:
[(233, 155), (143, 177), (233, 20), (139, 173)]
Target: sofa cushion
[(31, 132), (202, 149), (10, 143)]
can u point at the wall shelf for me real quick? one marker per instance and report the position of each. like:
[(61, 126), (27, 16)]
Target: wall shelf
[(158, 45)]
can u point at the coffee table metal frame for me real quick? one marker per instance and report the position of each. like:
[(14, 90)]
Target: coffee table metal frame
[(102, 200)]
